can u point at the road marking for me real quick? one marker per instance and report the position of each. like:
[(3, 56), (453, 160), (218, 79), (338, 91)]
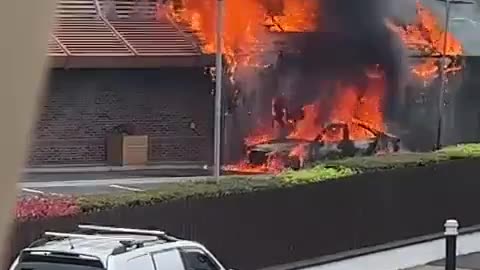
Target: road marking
[(107, 182), (127, 188), (29, 190), (33, 191)]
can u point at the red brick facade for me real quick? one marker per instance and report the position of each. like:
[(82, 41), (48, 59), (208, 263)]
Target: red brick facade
[(82, 106)]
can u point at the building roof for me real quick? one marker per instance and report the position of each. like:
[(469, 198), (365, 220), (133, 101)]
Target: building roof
[(119, 34)]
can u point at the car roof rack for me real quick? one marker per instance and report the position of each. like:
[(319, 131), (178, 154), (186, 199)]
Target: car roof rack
[(126, 243), (91, 232), (121, 230), (86, 236), (159, 234)]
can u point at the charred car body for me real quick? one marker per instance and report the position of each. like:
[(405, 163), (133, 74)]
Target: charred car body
[(323, 147), (302, 76)]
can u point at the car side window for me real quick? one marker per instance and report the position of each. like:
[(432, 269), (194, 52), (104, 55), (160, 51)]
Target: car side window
[(168, 260), (197, 259), (143, 262)]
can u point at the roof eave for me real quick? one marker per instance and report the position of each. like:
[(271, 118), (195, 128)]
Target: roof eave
[(129, 62)]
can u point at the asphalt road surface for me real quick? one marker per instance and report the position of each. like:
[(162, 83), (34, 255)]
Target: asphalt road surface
[(102, 182)]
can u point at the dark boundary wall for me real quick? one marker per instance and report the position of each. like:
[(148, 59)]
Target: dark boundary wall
[(273, 227)]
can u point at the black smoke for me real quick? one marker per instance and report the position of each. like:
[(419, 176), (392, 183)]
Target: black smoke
[(351, 37)]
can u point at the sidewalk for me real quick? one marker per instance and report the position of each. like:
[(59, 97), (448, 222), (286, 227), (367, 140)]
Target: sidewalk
[(464, 262), (90, 168)]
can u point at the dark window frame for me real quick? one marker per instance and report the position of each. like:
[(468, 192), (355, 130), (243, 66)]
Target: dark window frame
[(59, 259), (152, 255), (212, 261)]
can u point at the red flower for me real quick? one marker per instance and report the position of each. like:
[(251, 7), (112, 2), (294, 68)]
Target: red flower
[(43, 207)]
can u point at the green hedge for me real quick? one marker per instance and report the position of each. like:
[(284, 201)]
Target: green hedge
[(242, 184), (174, 191)]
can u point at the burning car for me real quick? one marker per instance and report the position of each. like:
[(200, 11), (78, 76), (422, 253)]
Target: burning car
[(334, 142)]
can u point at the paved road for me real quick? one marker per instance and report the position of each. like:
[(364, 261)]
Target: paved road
[(46, 177), (102, 182)]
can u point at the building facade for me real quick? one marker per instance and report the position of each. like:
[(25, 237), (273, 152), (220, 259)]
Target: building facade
[(144, 71), (174, 107)]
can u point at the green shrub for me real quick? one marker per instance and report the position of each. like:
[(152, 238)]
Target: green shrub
[(461, 151), (243, 184), (175, 191), (316, 174)]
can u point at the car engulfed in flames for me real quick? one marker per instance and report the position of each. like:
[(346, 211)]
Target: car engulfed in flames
[(297, 153)]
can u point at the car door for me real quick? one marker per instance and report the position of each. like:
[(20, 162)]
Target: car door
[(168, 259), (197, 259)]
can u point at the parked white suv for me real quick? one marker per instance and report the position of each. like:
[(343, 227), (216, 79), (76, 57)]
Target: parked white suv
[(111, 248)]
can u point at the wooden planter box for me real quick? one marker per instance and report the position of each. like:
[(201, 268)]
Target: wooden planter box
[(127, 150)]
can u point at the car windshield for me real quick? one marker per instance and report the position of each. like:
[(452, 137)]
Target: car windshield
[(31, 261)]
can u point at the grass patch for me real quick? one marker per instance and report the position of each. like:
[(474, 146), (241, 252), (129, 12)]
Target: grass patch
[(243, 184)]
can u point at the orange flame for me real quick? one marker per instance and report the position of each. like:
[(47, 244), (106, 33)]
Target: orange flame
[(258, 139), (366, 108), (299, 151), (273, 165), (427, 37), (351, 104), (298, 16), (246, 22), (309, 127)]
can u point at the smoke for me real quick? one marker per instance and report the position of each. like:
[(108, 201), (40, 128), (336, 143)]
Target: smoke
[(351, 37)]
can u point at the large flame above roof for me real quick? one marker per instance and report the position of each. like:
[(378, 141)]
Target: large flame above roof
[(426, 37), (246, 23)]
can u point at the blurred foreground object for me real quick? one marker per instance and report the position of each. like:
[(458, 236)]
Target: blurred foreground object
[(24, 28)]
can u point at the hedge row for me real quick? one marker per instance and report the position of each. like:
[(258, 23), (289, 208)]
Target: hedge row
[(242, 184)]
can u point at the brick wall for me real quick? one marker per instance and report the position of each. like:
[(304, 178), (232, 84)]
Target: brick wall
[(82, 106)]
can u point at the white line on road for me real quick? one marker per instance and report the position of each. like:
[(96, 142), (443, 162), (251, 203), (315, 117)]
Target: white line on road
[(107, 182), (33, 191), (126, 188)]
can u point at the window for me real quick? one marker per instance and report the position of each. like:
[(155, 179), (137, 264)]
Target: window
[(196, 259), (143, 262), (52, 261), (168, 260)]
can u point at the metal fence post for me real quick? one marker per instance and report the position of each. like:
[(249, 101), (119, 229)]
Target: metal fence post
[(451, 233)]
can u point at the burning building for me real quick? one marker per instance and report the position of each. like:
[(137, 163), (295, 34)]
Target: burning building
[(304, 70), (296, 67)]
